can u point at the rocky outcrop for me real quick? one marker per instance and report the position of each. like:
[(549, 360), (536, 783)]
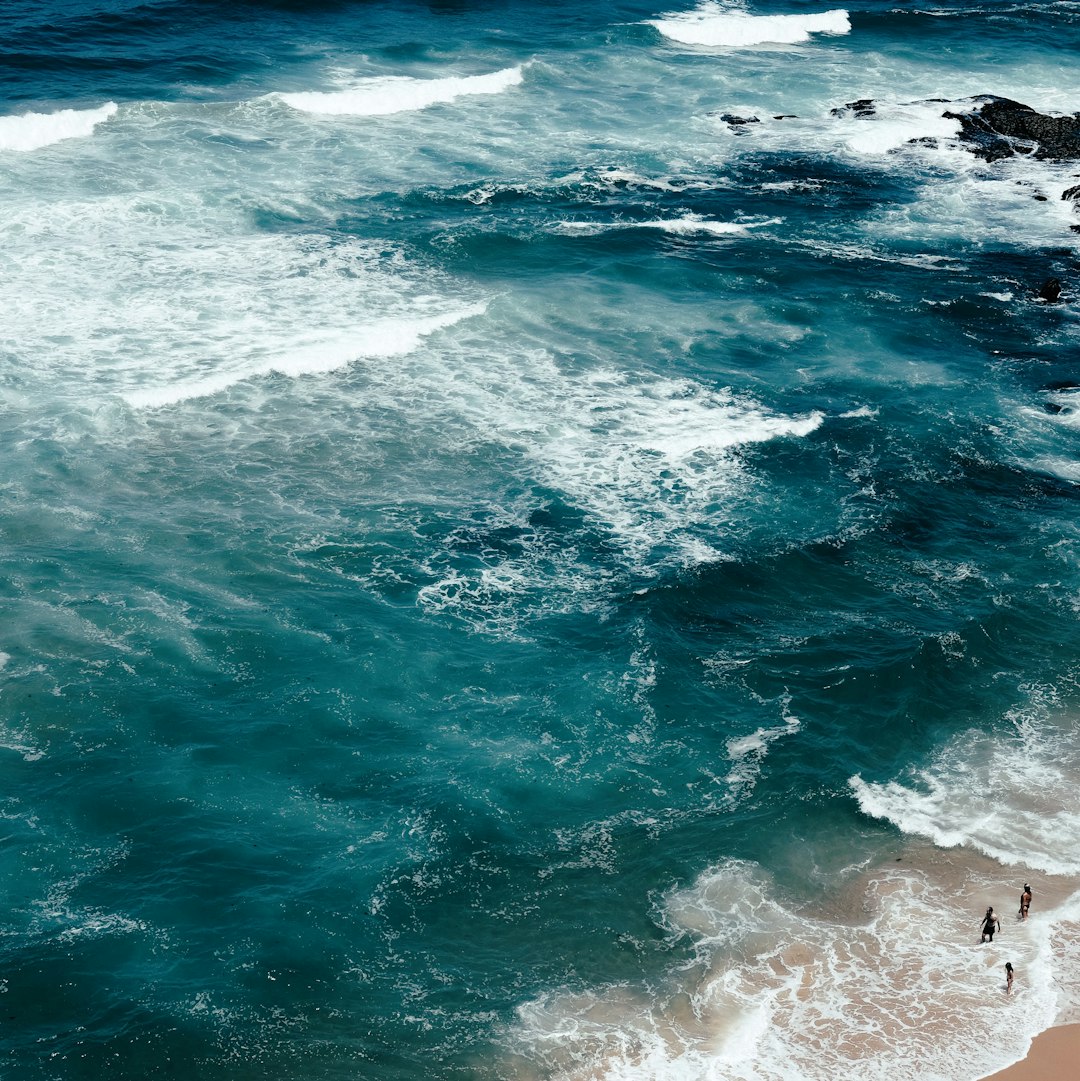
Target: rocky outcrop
[(738, 121), (993, 128), (996, 128)]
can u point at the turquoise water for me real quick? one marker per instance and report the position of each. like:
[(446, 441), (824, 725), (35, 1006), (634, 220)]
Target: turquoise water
[(509, 574)]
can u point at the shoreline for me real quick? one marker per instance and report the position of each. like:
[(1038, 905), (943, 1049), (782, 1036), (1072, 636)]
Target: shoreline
[(1053, 1053)]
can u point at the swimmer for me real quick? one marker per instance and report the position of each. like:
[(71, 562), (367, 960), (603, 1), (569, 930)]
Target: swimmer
[(990, 924)]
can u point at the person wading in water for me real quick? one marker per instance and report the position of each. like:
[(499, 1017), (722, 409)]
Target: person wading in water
[(990, 924)]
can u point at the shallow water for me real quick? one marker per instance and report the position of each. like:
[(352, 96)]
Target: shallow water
[(509, 573)]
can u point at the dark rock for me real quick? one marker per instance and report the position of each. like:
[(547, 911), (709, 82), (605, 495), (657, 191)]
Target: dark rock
[(1040, 198), (1071, 193), (736, 121), (862, 107), (786, 116), (996, 128), (1053, 407), (1050, 290)]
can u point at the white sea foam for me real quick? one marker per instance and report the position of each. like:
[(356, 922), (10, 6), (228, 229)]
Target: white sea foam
[(1065, 468), (892, 973), (132, 299), (652, 462), (390, 94), (714, 25), (893, 126), (959, 196), (32, 131), (694, 223), (125, 300), (654, 465)]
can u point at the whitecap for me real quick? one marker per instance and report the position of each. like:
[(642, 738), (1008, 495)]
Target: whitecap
[(314, 355), (714, 25), (32, 131), (385, 95)]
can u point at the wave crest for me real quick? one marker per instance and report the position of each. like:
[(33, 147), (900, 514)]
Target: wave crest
[(390, 94), (714, 25), (32, 131)]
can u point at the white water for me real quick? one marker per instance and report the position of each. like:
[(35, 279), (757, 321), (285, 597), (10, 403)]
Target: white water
[(717, 25), (385, 95), (32, 131)]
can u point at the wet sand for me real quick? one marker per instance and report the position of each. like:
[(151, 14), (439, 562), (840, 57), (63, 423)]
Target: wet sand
[(1054, 1055)]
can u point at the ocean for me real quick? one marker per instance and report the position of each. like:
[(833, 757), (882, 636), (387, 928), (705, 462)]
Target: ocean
[(539, 540)]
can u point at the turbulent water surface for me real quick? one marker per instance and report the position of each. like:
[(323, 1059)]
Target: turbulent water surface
[(540, 540)]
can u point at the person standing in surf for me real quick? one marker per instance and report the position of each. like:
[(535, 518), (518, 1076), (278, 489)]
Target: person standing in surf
[(990, 924), (1008, 977), (1025, 902)]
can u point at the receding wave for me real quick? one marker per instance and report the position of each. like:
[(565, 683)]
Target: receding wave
[(390, 94), (716, 25), (32, 131)]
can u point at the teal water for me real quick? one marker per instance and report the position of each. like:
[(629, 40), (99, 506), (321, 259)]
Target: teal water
[(509, 574)]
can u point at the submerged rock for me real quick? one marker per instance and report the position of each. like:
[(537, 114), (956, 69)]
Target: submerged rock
[(1050, 290), (738, 121), (862, 107)]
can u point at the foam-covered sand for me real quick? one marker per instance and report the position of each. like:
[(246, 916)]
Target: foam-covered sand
[(885, 970), (889, 970)]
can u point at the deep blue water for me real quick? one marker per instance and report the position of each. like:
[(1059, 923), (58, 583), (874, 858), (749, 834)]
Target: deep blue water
[(508, 573)]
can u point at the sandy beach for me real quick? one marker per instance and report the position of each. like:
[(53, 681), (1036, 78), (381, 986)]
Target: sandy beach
[(1054, 1054)]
